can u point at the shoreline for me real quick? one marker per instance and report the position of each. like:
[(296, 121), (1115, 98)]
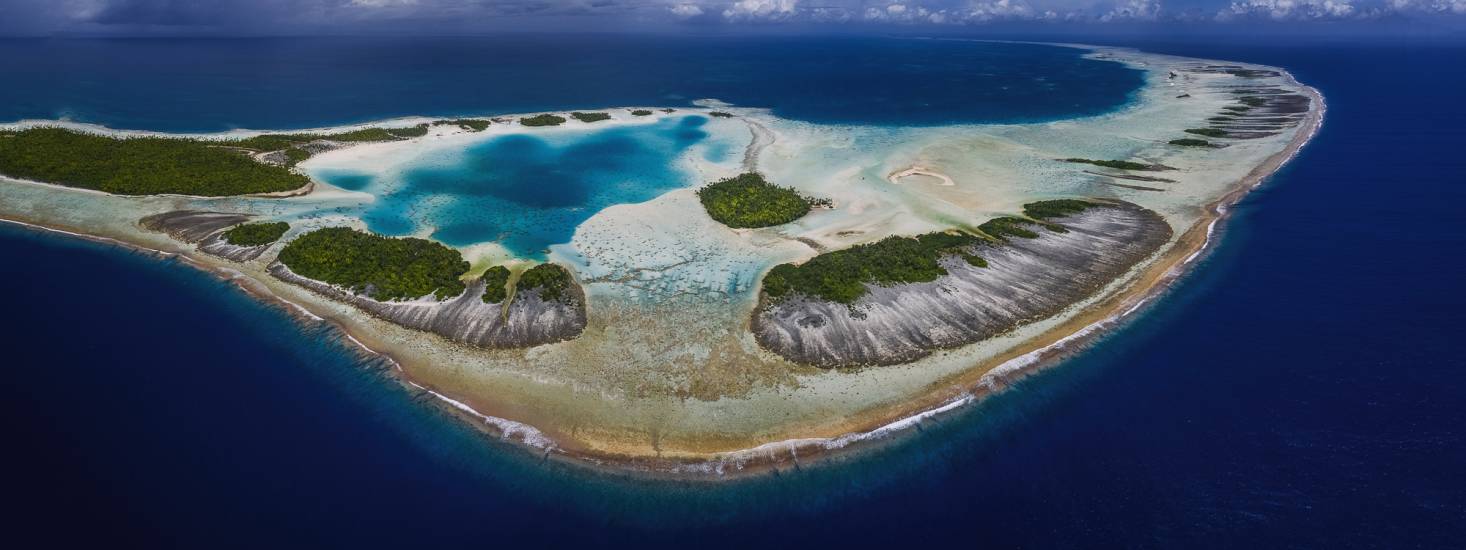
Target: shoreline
[(988, 377)]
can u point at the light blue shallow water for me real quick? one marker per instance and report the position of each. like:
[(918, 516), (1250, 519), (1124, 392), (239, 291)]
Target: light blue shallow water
[(529, 191)]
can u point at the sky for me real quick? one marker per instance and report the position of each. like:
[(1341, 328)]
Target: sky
[(314, 17)]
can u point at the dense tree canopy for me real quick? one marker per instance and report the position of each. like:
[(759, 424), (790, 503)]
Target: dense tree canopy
[(1191, 142), (382, 268), (1208, 132), (1116, 164), (473, 124), (496, 285), (138, 166), (747, 200), (841, 276), (552, 281), (590, 117), (1057, 208), (542, 120), (276, 142), (256, 234)]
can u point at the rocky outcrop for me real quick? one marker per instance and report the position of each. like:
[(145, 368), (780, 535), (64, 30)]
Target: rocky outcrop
[(527, 321), (1026, 280), (192, 226), (217, 246), (206, 229)]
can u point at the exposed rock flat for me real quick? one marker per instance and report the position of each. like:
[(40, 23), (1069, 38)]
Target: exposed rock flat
[(528, 321), (205, 228), (217, 246), (192, 226), (1027, 280)]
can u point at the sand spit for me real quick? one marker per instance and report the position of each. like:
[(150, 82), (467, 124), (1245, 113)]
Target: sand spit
[(943, 179), (526, 321), (1025, 280)]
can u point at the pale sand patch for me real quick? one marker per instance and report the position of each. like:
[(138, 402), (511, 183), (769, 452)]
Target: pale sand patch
[(942, 179)]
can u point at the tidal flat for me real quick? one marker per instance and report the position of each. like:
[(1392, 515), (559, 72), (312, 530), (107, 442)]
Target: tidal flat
[(666, 375)]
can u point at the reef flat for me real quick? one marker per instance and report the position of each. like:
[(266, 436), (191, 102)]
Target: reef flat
[(664, 356)]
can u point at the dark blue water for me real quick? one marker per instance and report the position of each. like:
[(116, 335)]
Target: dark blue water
[(1304, 389), (218, 84), (526, 192)]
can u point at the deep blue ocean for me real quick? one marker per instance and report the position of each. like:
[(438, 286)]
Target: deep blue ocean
[(1305, 388), (203, 85)]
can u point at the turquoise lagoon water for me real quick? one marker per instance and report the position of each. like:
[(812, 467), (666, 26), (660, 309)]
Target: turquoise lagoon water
[(529, 191)]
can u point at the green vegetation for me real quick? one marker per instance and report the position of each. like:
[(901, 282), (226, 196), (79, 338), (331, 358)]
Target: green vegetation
[(1057, 208), (294, 155), (720, 114), (496, 285), (1116, 164), (138, 166), (1208, 132), (276, 142), (640, 112), (472, 124), (552, 281), (747, 200), (272, 142), (1191, 142), (542, 120), (415, 131), (362, 135), (381, 268), (256, 234), (1253, 101), (1009, 226), (841, 276), (590, 117)]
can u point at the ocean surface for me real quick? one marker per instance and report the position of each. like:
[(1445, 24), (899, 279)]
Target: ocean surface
[(1303, 389), (205, 85), (523, 191)]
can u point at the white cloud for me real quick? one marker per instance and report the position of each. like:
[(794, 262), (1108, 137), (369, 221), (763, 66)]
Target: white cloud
[(686, 10), (1457, 7), (753, 10), (1289, 10), (1133, 10)]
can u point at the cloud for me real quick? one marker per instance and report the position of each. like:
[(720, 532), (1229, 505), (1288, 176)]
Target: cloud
[(685, 10), (1454, 7), (1134, 10), (1289, 10), (762, 10), (974, 12)]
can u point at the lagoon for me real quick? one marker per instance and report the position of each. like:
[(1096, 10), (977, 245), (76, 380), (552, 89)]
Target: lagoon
[(524, 191)]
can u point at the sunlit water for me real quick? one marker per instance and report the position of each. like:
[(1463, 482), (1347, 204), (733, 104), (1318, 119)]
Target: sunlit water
[(526, 191)]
